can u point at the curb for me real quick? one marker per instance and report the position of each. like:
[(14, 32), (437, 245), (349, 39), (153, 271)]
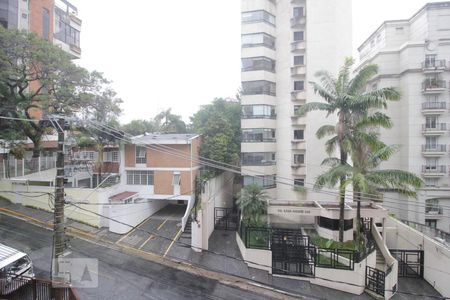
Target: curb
[(229, 280)]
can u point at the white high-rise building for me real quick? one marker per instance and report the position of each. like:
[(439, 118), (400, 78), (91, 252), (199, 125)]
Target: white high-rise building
[(414, 56), (284, 43)]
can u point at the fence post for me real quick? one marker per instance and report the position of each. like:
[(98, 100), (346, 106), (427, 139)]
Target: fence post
[(23, 166), (15, 167), (34, 288)]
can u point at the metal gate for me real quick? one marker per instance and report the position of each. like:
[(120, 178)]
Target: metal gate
[(410, 262), (292, 253), (226, 219), (375, 280)]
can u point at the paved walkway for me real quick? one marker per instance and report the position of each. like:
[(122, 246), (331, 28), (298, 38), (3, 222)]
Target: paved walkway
[(224, 255)]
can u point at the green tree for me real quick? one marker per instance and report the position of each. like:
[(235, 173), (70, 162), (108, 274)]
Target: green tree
[(167, 122), (219, 123), (139, 127), (350, 101), (253, 202), (36, 76)]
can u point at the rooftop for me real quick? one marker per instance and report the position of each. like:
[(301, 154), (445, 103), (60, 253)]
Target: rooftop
[(161, 138)]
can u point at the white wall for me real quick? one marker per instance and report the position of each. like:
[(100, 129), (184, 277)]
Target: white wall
[(436, 255)]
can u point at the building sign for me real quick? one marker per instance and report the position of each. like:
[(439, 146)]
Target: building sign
[(301, 211)]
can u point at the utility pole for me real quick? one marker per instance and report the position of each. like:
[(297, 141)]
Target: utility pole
[(58, 225)]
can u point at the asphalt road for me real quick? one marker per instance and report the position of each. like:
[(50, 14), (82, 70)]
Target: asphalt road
[(120, 276)]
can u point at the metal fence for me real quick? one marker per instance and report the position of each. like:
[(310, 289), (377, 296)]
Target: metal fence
[(335, 259), (13, 167), (26, 288), (431, 232), (255, 237)]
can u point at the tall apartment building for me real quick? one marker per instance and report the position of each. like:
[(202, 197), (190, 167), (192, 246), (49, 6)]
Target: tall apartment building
[(284, 43), (53, 20), (414, 56)]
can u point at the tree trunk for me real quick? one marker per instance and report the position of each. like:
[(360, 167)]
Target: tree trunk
[(343, 158)]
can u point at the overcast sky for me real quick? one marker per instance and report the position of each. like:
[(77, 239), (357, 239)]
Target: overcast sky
[(181, 54)]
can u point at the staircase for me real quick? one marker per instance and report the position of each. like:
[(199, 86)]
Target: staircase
[(185, 236), (381, 263)]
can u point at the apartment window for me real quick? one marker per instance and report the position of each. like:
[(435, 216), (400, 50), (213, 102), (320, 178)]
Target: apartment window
[(176, 179), (432, 206), (431, 142), (299, 12), (258, 64), (258, 135), (299, 36), (431, 122), (259, 87), (258, 16), (299, 182), (63, 31), (299, 134), (268, 181), (432, 182), (258, 159), (141, 155), (333, 224), (45, 24), (299, 85), (87, 155), (140, 177), (111, 156), (258, 111), (430, 60), (431, 223), (299, 159), (258, 39), (433, 98), (299, 60)]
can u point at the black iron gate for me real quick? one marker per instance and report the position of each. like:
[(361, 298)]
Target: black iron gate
[(292, 253), (226, 218), (375, 280), (410, 262)]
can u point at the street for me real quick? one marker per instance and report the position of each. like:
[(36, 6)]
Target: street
[(121, 276)]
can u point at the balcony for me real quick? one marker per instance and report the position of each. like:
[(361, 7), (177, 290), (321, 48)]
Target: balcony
[(298, 169), (298, 96), (298, 70), (434, 171), (433, 86), (433, 108), (434, 66), (434, 212), (299, 46), (434, 129), (298, 120), (297, 22), (434, 150)]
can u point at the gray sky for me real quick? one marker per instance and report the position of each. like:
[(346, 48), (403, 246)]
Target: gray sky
[(181, 54)]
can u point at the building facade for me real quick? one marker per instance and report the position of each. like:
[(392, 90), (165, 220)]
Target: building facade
[(284, 43), (413, 55)]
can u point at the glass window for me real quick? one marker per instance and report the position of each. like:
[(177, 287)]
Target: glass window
[(299, 182), (299, 12), (299, 60), (258, 135), (299, 36), (268, 181), (140, 177), (259, 87), (176, 179), (258, 111), (258, 16), (45, 24), (258, 64), (299, 134), (63, 31), (299, 159), (258, 39), (431, 223), (258, 159), (299, 85), (141, 155)]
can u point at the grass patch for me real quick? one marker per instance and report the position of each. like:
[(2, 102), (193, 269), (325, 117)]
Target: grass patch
[(324, 243)]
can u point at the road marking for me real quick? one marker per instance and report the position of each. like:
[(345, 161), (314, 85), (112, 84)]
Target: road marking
[(173, 242), (132, 231), (151, 237)]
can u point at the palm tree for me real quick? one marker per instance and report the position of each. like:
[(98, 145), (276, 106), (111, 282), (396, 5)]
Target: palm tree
[(252, 202), (365, 176), (349, 99)]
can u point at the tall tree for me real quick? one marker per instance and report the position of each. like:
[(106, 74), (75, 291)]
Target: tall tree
[(349, 99), (169, 123), (38, 77), (253, 202), (220, 126), (138, 127)]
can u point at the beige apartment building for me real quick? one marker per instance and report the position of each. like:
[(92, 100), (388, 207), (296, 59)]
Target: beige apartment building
[(414, 56), (284, 43)]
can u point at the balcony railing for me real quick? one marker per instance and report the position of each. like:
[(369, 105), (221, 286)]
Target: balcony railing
[(434, 210), (434, 127), (434, 169), (436, 64), (434, 148), (298, 21), (434, 105), (433, 85)]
